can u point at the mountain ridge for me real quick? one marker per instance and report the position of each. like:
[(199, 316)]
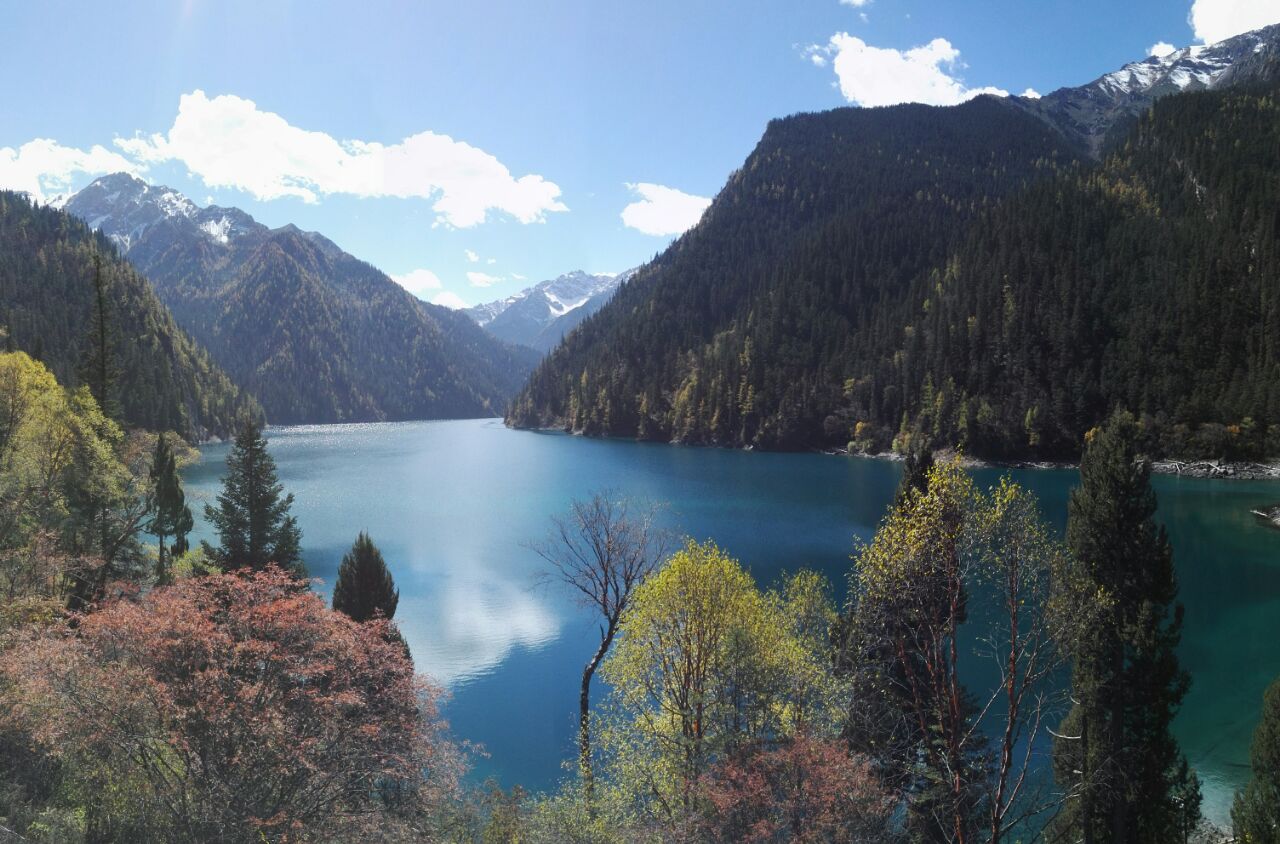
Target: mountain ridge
[(317, 334), (540, 316), (166, 380), (804, 310), (1098, 113)]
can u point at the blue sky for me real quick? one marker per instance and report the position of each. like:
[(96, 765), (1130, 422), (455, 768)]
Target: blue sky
[(474, 148)]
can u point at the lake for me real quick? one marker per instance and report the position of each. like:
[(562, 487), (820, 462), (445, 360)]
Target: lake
[(450, 504)]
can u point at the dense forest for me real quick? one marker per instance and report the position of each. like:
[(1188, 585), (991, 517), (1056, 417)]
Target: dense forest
[(165, 381), (955, 276), (316, 335)]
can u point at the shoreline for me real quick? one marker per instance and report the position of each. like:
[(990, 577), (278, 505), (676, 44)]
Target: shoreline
[(1246, 470)]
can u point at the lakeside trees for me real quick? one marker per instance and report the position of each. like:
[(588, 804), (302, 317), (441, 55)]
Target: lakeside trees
[(364, 588), (170, 515), (1115, 755), (603, 550), (960, 753), (252, 518), (1255, 816)]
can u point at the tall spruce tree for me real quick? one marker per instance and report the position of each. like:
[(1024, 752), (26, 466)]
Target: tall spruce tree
[(365, 587), (99, 368), (1125, 777), (170, 515), (252, 518), (1256, 813)]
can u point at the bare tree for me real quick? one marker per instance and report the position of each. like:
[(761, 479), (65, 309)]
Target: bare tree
[(602, 549)]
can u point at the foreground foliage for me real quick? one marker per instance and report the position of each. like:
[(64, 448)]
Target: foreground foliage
[(226, 709), (1256, 813), (1115, 755)]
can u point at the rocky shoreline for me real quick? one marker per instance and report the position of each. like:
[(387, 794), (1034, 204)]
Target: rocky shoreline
[(1241, 471), (1218, 469)]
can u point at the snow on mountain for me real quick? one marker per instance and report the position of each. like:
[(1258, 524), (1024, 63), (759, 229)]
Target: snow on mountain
[(1098, 111), (540, 315), (125, 208)]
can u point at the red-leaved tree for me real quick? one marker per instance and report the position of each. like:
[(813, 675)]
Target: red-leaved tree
[(231, 708), (806, 790)]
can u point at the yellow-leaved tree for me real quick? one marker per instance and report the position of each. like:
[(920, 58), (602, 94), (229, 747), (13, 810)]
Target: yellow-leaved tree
[(707, 666)]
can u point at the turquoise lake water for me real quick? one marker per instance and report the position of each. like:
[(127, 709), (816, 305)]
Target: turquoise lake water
[(450, 504)]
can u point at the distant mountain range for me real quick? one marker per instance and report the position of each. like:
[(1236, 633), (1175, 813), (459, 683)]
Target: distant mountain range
[(166, 382), (540, 316), (1102, 111), (997, 275), (314, 333)]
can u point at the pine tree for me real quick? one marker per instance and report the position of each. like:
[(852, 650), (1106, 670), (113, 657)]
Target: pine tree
[(252, 518), (1127, 780), (364, 585), (1256, 813), (170, 515), (99, 368), (915, 475)]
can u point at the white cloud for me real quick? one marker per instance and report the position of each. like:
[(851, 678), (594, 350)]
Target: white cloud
[(418, 282), (857, 4), (1031, 94), (877, 76), (1161, 48), (228, 141), (44, 167), (491, 261), (518, 277), (662, 211), (1215, 20), (482, 279), (449, 299), (471, 256)]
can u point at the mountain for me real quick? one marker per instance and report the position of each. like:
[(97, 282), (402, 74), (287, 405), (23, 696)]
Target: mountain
[(1101, 112), (47, 298), (540, 316), (316, 334), (967, 276)]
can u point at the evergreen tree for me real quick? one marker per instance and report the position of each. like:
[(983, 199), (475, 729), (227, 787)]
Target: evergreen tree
[(99, 370), (1115, 756), (1256, 813), (915, 476), (170, 515), (364, 585), (252, 517)]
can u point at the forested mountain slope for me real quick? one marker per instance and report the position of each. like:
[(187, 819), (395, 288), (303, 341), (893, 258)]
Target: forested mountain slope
[(1149, 280), (47, 300), (745, 331), (316, 334)]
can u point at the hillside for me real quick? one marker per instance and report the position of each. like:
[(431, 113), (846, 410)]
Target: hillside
[(316, 334), (956, 275), (746, 329), (166, 381), (1148, 282)]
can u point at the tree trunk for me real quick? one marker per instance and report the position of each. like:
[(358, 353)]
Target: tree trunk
[(584, 712)]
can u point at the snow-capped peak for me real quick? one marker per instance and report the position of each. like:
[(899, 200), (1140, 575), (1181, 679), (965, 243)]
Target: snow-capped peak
[(125, 208)]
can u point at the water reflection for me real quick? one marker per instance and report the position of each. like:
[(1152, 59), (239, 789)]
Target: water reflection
[(466, 626)]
